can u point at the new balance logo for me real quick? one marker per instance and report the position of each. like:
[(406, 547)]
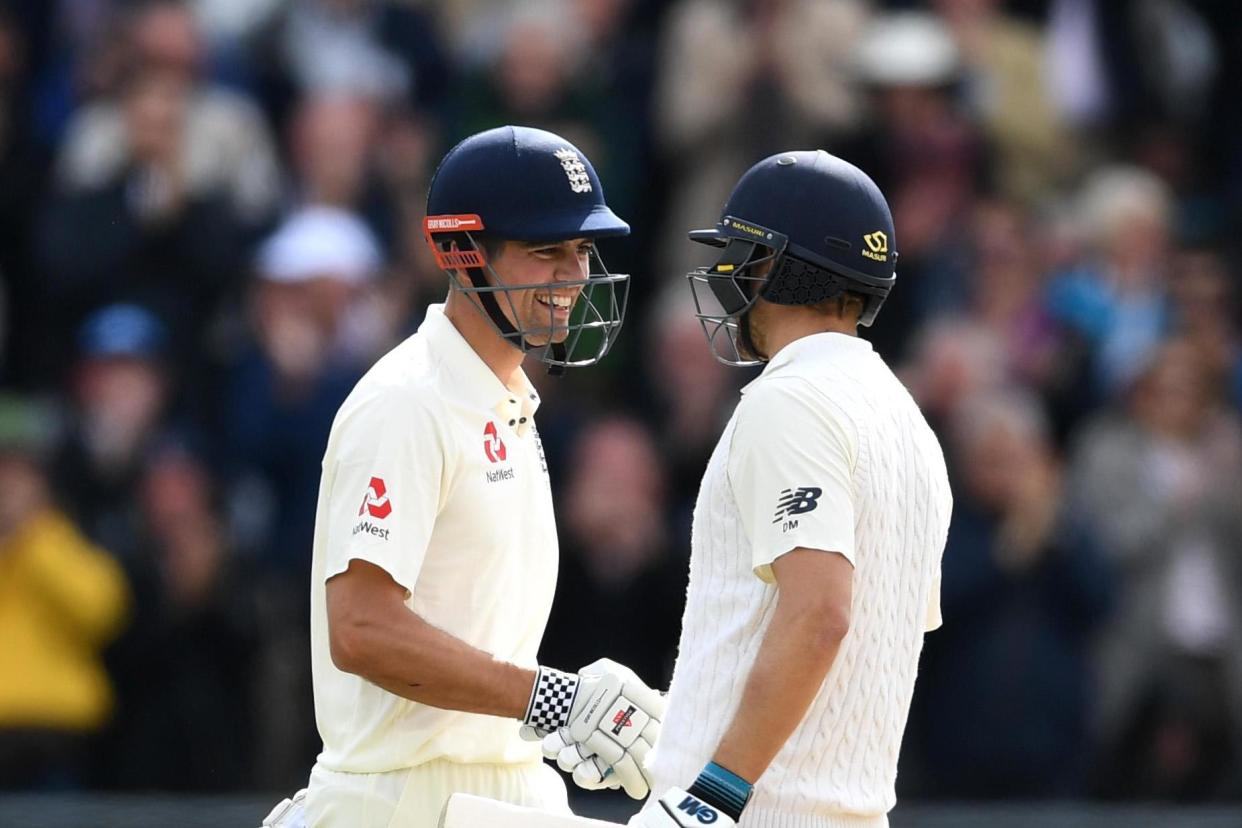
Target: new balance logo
[(698, 810), (623, 719), (797, 502)]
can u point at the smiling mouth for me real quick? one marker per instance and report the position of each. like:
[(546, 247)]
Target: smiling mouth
[(559, 304)]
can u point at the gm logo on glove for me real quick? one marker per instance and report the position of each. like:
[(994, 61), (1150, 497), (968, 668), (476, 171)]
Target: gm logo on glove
[(698, 810)]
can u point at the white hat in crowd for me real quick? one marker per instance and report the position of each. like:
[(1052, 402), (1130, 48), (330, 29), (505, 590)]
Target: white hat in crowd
[(909, 48), (318, 242)]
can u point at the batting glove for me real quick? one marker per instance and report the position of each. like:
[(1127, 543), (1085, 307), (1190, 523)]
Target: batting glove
[(598, 724), (716, 798)]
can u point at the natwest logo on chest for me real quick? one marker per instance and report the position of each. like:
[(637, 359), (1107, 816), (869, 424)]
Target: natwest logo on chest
[(493, 446)]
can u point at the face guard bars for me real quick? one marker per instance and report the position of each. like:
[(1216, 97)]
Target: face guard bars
[(725, 291), (594, 319), (734, 287)]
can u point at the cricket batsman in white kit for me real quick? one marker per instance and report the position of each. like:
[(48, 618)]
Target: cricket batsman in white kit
[(435, 554), (818, 530)]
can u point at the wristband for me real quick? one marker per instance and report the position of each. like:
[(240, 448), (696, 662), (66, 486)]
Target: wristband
[(722, 789), (551, 699)]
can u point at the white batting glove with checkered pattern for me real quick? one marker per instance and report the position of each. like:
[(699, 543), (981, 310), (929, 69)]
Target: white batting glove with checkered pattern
[(613, 722)]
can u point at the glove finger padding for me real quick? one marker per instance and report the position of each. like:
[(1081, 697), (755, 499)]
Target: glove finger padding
[(626, 764), (555, 742), (599, 744), (633, 778), (651, 732), (571, 756), (592, 774), (639, 751), (589, 771), (530, 733)]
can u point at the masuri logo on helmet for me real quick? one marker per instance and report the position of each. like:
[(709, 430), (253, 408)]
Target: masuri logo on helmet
[(877, 246)]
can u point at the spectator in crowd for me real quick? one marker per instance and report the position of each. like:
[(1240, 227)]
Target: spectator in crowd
[(334, 159), (925, 151), (405, 161), (1123, 68), (1005, 62), (1005, 688), (738, 81), (1003, 287), (1161, 482), (121, 395), (537, 74), (186, 670), (1116, 298), (160, 189), (951, 360), (315, 333), (186, 137), (616, 554), (384, 50), (62, 599), (1205, 312), (1006, 292), (689, 397)]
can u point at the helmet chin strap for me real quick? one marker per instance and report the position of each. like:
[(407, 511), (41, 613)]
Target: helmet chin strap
[(507, 329), (559, 353)]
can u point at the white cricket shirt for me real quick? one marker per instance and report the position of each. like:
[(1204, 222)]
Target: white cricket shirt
[(826, 450), (434, 472)]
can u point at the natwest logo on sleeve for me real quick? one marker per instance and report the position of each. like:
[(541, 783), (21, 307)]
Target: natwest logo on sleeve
[(493, 446), (376, 500)]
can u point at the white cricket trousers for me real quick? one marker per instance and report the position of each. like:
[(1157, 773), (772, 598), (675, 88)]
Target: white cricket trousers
[(414, 797)]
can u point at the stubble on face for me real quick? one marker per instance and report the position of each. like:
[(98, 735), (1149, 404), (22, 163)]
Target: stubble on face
[(757, 318), (543, 311)]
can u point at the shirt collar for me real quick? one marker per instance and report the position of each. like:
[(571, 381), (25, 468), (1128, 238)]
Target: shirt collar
[(811, 347), (515, 407)]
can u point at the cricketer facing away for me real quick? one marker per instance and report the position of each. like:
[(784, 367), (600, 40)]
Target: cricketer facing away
[(818, 530), (435, 553)]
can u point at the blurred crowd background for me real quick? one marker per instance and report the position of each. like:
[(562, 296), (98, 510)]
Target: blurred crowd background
[(210, 227)]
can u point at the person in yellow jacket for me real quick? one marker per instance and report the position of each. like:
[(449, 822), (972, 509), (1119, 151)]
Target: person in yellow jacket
[(62, 599)]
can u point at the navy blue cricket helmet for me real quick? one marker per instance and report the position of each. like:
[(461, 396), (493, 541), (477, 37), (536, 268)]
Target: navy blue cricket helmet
[(525, 184), (821, 222), (522, 184)]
